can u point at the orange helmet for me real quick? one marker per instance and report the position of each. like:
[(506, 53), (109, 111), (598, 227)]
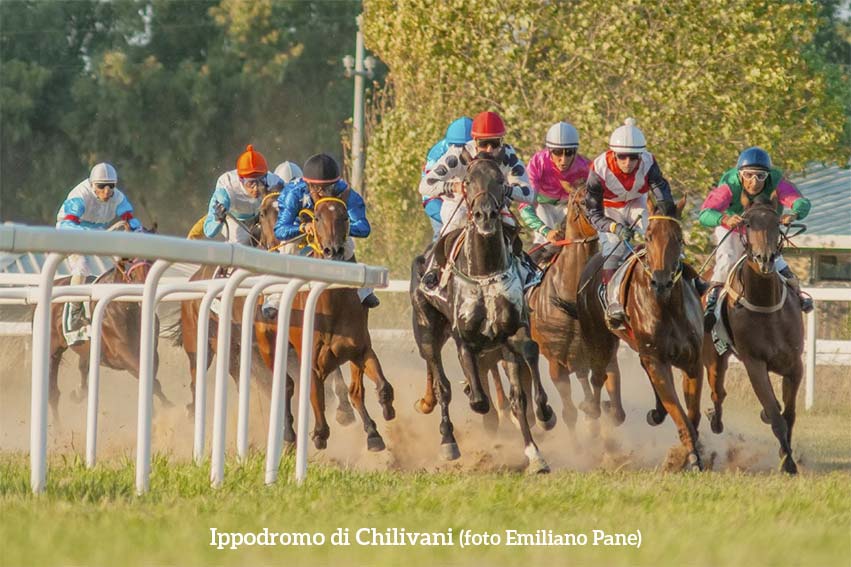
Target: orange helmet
[(251, 163), (488, 125)]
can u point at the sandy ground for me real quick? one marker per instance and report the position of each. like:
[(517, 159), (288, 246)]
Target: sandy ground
[(412, 439)]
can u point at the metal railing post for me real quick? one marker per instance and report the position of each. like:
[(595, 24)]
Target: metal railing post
[(810, 353), (304, 379), (202, 346)]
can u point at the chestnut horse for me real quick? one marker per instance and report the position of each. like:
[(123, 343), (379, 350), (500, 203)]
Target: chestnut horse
[(485, 311), (341, 332), (664, 324), (763, 318), (121, 332), (558, 333)]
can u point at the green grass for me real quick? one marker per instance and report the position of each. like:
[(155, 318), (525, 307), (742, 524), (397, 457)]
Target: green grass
[(93, 517)]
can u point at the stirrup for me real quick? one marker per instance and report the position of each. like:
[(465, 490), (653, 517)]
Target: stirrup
[(615, 315), (806, 303), (431, 278)]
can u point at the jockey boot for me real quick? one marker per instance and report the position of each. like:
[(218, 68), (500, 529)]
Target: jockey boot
[(615, 315), (709, 312), (371, 301), (431, 278), (77, 317), (795, 284)]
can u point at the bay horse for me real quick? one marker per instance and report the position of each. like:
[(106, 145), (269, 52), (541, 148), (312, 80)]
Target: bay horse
[(763, 319), (557, 332), (484, 311), (665, 324), (341, 331), (121, 332)]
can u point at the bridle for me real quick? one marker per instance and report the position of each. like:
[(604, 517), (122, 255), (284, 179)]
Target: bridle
[(678, 272), (311, 240)]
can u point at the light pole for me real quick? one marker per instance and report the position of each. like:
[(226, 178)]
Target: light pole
[(358, 67)]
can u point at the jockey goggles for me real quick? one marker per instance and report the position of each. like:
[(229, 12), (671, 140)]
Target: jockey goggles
[(563, 152), (630, 157), (751, 174), (253, 182), (104, 185), (489, 143)]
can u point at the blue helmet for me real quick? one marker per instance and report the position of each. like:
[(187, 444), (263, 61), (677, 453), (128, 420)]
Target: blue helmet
[(458, 132), (754, 157)]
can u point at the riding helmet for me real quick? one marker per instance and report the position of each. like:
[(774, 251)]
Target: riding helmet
[(288, 171), (754, 158), (251, 163), (458, 132), (562, 135), (488, 125), (628, 138), (103, 173), (321, 169)]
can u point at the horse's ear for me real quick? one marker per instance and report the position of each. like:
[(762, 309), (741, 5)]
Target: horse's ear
[(651, 207), (681, 204), (774, 201)]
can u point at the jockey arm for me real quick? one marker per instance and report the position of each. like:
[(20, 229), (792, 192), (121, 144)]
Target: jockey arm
[(791, 198), (529, 217), (439, 180), (124, 211), (594, 203), (288, 224), (516, 178), (212, 224), (659, 186), (358, 224), (72, 211), (712, 211)]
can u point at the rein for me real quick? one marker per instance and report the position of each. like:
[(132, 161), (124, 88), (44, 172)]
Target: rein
[(311, 240), (740, 298), (640, 257)]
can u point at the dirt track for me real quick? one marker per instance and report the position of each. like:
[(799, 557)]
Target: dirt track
[(412, 439)]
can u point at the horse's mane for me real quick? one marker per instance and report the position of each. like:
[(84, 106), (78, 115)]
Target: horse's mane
[(762, 212)]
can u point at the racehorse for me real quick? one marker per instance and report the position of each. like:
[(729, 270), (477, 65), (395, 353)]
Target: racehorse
[(485, 310), (664, 324), (558, 333), (763, 320), (121, 333), (341, 332)]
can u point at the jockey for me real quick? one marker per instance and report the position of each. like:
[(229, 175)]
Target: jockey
[(445, 180), (457, 135), (618, 183), (94, 204), (723, 208), (322, 174), (287, 171), (553, 173), (238, 195)]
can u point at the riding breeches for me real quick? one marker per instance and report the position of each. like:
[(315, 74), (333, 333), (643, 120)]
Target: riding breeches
[(79, 266), (552, 215), (625, 215), (235, 233), (729, 252)]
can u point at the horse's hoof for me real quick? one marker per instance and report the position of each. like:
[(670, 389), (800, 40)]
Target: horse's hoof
[(77, 396), (345, 416), (694, 463), (764, 417), (715, 422), (320, 443), (481, 406), (548, 424), (787, 465), (450, 451), (538, 466), (655, 417), (422, 407), (389, 413), (289, 448), (375, 443), (615, 413), (190, 411), (590, 409)]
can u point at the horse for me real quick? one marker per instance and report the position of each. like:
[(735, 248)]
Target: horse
[(121, 333), (341, 332), (664, 324), (484, 311), (554, 329), (763, 319)]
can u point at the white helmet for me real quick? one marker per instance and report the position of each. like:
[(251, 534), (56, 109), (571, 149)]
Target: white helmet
[(288, 171), (562, 135), (627, 138), (103, 173)]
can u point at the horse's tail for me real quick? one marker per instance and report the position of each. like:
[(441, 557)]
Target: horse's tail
[(568, 307), (174, 333)]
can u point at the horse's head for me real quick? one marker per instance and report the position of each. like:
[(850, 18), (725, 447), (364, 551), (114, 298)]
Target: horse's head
[(267, 216), (484, 192), (664, 239), (330, 223), (576, 223), (130, 270), (762, 234)]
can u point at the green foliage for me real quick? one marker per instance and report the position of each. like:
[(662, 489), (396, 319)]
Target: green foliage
[(703, 78)]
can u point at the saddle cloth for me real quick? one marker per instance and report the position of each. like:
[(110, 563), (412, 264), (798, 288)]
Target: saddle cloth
[(616, 289)]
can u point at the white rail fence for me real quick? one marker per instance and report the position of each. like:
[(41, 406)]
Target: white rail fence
[(289, 273)]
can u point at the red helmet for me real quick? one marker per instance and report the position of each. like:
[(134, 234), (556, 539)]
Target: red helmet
[(251, 163), (488, 125)]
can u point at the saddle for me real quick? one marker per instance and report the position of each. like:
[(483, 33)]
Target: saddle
[(619, 284)]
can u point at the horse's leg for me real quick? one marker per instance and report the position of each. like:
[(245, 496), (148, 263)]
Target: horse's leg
[(583, 376), (448, 445), (692, 388), (374, 442), (791, 383), (324, 361), (372, 367), (469, 360), (663, 382), (344, 415), (560, 376), (758, 375), (513, 364), (614, 407), (657, 415), (591, 407), (430, 342), (289, 431), (716, 368), (53, 383), (491, 419), (523, 345), (81, 392)]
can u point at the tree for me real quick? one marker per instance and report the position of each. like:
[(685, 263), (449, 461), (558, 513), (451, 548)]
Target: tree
[(703, 78)]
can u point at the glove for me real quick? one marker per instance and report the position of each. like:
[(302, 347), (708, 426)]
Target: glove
[(623, 232), (788, 219), (221, 212)]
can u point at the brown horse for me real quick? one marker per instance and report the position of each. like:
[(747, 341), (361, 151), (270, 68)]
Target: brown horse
[(121, 332), (484, 311), (341, 332), (558, 333), (763, 319), (664, 324)]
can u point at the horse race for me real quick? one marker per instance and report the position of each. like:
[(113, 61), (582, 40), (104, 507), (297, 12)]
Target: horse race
[(382, 282)]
